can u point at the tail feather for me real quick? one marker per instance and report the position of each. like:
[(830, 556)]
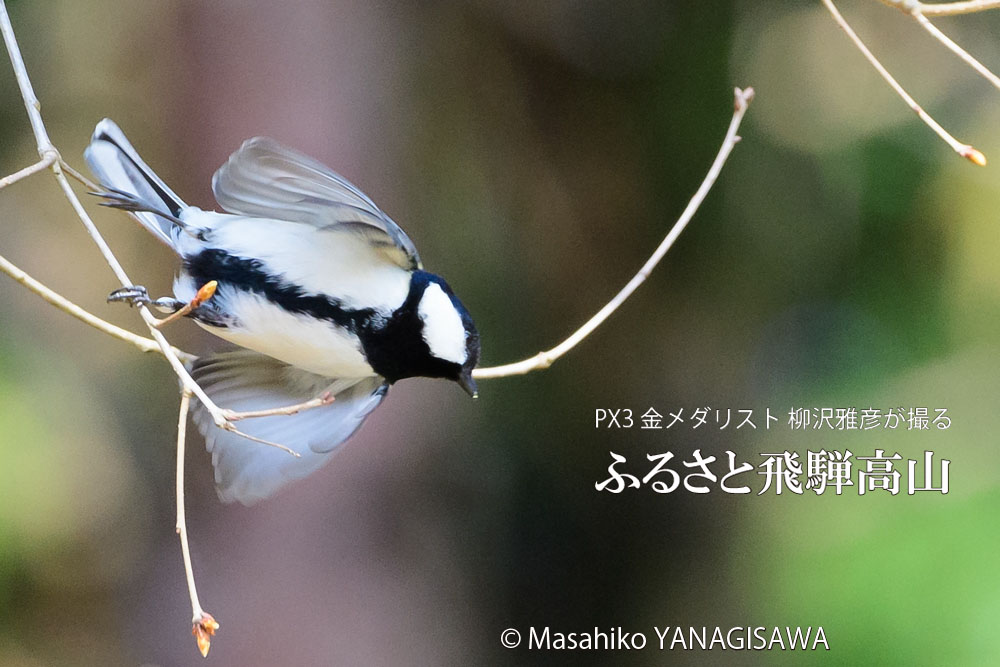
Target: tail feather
[(117, 165)]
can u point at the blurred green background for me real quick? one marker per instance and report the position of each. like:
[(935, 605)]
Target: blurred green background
[(536, 153)]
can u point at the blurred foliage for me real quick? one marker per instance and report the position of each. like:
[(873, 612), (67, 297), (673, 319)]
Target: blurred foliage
[(536, 153)]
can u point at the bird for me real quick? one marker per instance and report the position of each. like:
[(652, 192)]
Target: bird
[(320, 291)]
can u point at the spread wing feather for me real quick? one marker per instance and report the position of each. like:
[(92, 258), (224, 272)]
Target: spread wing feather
[(268, 180), (246, 471)]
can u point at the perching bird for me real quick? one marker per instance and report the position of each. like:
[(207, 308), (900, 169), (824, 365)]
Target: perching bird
[(322, 288)]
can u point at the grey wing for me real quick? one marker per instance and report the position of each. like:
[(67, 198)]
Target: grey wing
[(247, 471), (265, 179)]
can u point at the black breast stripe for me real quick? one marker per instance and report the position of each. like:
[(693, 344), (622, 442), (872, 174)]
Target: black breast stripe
[(249, 275), (393, 346)]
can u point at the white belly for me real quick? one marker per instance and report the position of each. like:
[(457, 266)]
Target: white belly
[(317, 346), (316, 262)]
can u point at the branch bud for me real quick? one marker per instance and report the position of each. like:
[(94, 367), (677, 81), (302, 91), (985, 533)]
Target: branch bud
[(974, 156), (203, 630)]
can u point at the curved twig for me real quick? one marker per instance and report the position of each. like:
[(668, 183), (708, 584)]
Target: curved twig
[(967, 151), (203, 624), (50, 156), (546, 358), (67, 306), (943, 8)]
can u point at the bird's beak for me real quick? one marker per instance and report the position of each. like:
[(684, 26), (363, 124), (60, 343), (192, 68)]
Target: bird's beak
[(466, 382)]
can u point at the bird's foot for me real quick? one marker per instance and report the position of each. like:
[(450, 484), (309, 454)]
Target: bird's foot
[(136, 295)]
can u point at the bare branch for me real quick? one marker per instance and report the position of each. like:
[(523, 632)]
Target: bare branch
[(956, 49), (186, 380), (223, 418), (31, 103), (41, 165), (203, 624), (955, 8), (920, 11), (546, 358), (943, 9), (149, 345), (965, 150), (67, 306), (46, 149), (50, 155), (80, 177), (228, 426), (326, 399)]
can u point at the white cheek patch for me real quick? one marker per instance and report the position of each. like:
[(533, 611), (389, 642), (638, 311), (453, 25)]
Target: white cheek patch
[(443, 332)]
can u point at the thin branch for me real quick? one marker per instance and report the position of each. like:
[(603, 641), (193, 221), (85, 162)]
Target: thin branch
[(228, 426), (45, 149), (67, 306), (48, 152), (546, 358), (326, 399), (920, 11), (223, 418), (181, 526), (956, 49), (91, 228), (149, 345), (78, 176), (31, 103), (203, 625), (955, 8), (965, 150), (41, 165), (186, 380), (943, 9)]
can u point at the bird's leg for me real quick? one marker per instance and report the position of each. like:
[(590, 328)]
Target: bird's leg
[(136, 295), (205, 292), (176, 309)]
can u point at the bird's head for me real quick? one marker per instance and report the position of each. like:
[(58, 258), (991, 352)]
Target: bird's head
[(449, 333)]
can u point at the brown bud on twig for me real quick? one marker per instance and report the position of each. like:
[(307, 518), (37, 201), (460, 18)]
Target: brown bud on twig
[(203, 630), (974, 156), (206, 292)]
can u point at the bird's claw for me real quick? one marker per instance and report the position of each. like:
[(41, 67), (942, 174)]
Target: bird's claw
[(133, 295), (136, 295)]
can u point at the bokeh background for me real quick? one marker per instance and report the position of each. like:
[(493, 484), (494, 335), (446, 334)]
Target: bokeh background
[(536, 153)]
